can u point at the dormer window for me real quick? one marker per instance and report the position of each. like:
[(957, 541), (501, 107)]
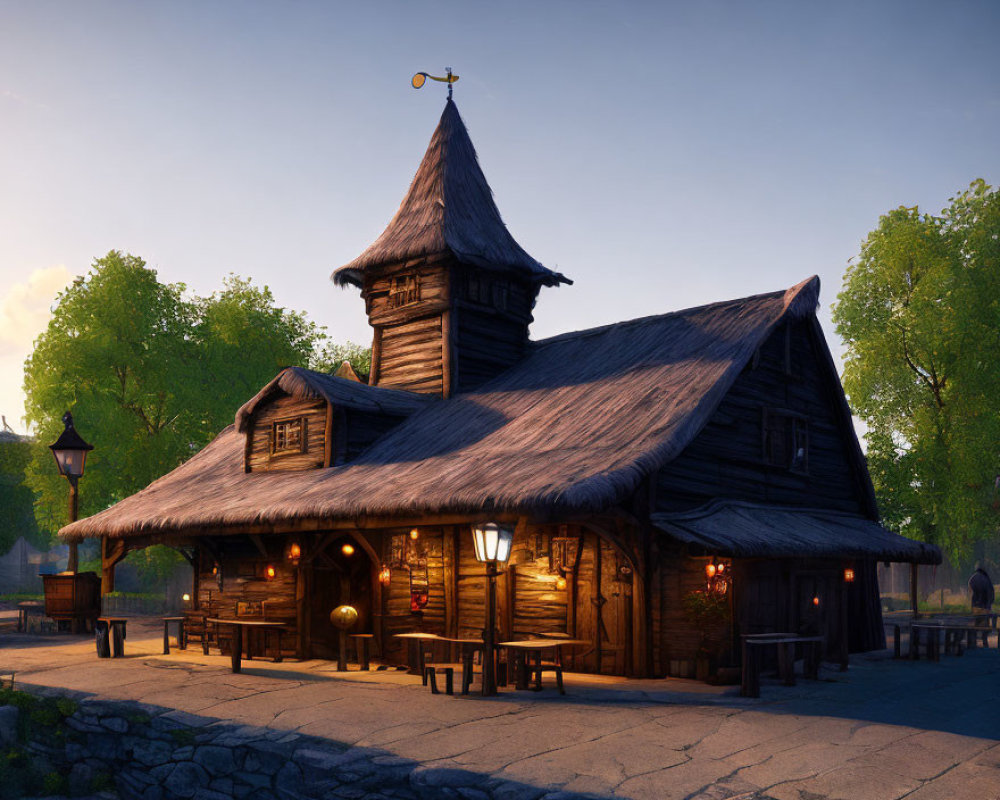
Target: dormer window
[(403, 290), (288, 436)]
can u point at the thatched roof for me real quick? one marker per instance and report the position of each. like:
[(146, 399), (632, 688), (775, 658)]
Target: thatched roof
[(343, 392), (750, 530), (449, 209), (574, 427)]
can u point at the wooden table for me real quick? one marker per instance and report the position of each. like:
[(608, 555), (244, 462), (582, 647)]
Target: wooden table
[(181, 640), (415, 658), (754, 643), (237, 626), (526, 650), (116, 632), (953, 634)]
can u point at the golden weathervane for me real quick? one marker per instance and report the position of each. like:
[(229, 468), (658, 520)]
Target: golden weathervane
[(420, 79)]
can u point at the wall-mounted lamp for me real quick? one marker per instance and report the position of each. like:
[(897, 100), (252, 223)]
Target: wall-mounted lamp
[(815, 601), (848, 575), (294, 552), (270, 572), (414, 534), (385, 575)]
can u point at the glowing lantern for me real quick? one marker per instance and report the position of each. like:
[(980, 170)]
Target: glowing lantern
[(186, 597), (848, 575), (560, 583), (344, 616), (294, 552), (347, 549), (414, 534), (815, 601), (710, 570), (385, 575), (270, 572)]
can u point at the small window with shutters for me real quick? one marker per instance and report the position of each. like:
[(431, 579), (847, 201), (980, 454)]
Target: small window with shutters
[(288, 436), (785, 440)]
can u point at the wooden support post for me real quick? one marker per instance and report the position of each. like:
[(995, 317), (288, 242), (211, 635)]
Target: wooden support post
[(844, 627), (449, 550), (111, 553), (914, 602), (328, 448)]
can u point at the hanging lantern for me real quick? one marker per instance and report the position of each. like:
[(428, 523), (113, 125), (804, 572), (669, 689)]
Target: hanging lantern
[(385, 575), (270, 572), (560, 583), (294, 552), (848, 575), (710, 570), (815, 601), (414, 534), (347, 549)]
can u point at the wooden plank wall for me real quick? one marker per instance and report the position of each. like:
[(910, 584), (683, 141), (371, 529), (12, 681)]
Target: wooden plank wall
[(243, 570), (726, 458), (259, 451), (411, 357), (362, 429), (678, 637), (397, 616)]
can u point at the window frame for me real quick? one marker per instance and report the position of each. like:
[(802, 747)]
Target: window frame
[(274, 451)]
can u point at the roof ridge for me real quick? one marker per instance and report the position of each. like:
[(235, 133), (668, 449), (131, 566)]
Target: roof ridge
[(650, 317)]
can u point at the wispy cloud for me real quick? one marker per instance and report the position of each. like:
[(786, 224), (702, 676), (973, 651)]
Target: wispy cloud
[(25, 308)]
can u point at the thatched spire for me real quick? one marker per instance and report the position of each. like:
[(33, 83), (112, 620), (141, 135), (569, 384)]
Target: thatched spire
[(449, 209)]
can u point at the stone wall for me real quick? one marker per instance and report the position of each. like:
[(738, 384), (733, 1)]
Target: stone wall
[(157, 754)]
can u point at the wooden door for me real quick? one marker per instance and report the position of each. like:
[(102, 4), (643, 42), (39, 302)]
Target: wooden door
[(338, 579), (603, 609)]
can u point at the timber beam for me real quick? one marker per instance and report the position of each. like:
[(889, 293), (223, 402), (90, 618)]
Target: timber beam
[(112, 551)]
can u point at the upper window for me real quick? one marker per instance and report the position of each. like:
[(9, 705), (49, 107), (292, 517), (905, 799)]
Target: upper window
[(785, 440), (288, 436), (403, 290)]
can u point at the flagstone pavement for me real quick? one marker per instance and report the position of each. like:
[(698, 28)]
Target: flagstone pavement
[(884, 729)]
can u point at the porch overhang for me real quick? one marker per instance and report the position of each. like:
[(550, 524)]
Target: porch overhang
[(751, 530)]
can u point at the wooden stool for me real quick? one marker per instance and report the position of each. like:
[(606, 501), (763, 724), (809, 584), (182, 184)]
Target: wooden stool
[(361, 641), (181, 641), (113, 628)]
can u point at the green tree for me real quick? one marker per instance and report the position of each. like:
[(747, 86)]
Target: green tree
[(150, 375), (920, 316), (16, 500)]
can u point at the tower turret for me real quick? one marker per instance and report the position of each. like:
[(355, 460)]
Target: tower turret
[(447, 290)]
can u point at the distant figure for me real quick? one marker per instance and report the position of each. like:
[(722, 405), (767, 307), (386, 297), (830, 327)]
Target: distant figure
[(982, 590)]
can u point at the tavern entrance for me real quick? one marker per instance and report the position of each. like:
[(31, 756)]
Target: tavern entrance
[(341, 575)]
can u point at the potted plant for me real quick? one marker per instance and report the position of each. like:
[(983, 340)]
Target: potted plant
[(709, 613)]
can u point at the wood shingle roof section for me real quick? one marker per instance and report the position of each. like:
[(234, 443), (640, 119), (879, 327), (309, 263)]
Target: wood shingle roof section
[(448, 210), (343, 392), (572, 428)]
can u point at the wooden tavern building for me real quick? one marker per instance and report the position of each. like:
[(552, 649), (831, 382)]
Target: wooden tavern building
[(709, 449)]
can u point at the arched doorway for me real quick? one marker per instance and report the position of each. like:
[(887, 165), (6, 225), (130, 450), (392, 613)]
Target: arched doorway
[(342, 575)]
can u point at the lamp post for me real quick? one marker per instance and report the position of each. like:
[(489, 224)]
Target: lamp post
[(70, 452), (492, 543)]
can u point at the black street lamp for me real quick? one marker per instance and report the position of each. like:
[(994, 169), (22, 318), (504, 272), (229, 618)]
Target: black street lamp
[(70, 452), (492, 543)]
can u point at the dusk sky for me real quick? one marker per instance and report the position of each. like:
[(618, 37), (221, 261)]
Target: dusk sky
[(662, 155)]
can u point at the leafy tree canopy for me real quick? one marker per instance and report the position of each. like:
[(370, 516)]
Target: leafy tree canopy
[(920, 316), (150, 374), (16, 500)]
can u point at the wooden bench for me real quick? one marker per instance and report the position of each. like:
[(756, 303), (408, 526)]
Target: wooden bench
[(181, 639), (753, 647)]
